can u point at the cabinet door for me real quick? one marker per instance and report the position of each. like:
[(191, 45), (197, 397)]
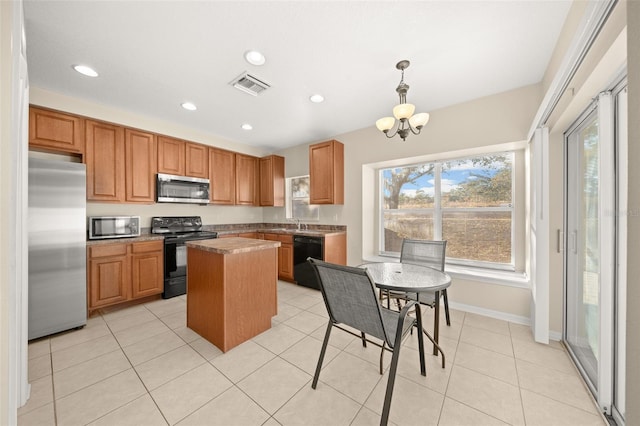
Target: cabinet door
[(55, 131), (246, 180), (170, 156), (285, 261), (326, 170), (105, 162), (140, 166), (335, 248), (197, 160), (147, 269), (109, 281), (222, 174), (272, 181)]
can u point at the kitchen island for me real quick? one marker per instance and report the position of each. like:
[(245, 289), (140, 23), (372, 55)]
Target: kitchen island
[(231, 289)]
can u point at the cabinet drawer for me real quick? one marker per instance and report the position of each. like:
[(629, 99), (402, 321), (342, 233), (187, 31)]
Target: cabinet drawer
[(108, 250), (279, 237), (253, 235), (147, 246)]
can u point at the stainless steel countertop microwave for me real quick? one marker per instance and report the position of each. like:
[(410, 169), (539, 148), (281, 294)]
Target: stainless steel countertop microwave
[(181, 189), (103, 227)]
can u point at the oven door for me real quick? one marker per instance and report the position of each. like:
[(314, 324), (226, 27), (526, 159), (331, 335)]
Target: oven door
[(175, 259)]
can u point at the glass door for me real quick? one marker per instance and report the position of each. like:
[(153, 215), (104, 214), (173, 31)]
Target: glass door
[(592, 265), (583, 246)]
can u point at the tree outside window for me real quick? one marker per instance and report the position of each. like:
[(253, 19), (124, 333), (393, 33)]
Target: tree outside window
[(468, 202)]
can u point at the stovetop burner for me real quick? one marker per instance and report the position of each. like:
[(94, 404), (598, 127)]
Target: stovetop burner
[(176, 224)]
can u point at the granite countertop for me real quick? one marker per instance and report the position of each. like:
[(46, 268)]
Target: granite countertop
[(232, 245), (126, 240), (284, 231)]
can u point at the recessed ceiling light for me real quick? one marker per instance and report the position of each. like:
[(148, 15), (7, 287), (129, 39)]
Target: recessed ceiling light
[(316, 99), (189, 106), (247, 126), (254, 57), (85, 70)]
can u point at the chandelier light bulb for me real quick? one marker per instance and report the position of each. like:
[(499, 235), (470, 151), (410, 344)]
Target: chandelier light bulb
[(384, 124), (419, 120), (403, 111)]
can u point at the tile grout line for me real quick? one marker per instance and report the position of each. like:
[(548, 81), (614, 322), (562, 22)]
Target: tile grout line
[(522, 409), (446, 388)]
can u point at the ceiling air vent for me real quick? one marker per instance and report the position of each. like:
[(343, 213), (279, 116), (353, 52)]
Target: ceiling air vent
[(249, 84)]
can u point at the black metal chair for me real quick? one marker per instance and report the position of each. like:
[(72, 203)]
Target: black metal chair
[(350, 297)]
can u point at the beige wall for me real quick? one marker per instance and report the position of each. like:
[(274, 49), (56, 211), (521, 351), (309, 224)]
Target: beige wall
[(469, 127), (633, 242)]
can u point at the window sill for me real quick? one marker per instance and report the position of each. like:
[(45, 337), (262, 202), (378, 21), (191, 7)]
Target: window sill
[(491, 276)]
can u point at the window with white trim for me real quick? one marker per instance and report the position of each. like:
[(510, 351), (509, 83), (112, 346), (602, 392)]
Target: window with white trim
[(466, 201), (297, 200)]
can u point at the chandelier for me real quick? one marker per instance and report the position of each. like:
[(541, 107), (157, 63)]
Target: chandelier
[(403, 112)]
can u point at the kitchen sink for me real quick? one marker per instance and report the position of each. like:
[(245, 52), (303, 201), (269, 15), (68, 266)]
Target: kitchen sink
[(296, 231)]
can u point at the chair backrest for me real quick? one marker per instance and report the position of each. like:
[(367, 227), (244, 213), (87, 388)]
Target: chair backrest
[(424, 252), (350, 297)]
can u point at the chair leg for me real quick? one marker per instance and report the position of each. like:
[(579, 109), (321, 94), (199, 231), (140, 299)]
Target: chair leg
[(364, 339), (322, 352), (446, 306), (397, 344), (382, 355)]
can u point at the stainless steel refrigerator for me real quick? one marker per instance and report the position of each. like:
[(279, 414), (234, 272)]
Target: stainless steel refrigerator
[(57, 246)]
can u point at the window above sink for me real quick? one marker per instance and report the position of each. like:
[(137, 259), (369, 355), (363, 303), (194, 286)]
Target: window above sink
[(297, 200)]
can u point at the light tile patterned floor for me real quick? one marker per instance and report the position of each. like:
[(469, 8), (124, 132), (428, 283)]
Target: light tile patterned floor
[(143, 366)]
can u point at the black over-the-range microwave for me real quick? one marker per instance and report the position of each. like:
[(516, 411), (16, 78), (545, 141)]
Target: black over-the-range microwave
[(182, 189)]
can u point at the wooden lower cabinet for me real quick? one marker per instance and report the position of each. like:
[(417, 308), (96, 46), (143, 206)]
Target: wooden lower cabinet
[(119, 272), (108, 275), (285, 255), (147, 269), (285, 262)]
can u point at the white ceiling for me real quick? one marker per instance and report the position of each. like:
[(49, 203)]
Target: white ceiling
[(154, 55)]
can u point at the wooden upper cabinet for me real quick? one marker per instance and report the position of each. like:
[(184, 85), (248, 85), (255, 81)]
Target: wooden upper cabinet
[(105, 158), (326, 170), (246, 180), (222, 176), (197, 160), (171, 156), (55, 131), (140, 166), (272, 181)]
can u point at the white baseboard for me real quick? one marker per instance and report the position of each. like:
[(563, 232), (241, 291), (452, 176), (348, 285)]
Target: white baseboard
[(517, 319)]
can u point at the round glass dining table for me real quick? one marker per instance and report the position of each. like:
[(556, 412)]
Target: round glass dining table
[(409, 278)]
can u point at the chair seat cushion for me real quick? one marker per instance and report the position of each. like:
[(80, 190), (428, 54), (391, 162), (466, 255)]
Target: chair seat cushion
[(390, 321)]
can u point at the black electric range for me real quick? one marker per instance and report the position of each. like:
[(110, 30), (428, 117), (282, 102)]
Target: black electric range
[(177, 230)]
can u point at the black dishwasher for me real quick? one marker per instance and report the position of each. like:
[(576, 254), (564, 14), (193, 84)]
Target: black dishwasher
[(304, 247)]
